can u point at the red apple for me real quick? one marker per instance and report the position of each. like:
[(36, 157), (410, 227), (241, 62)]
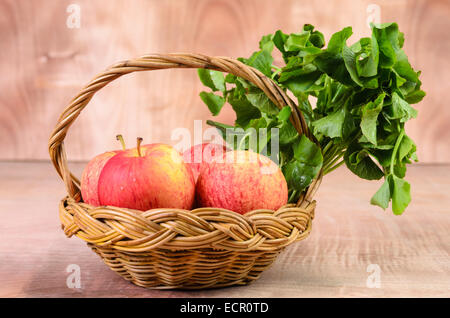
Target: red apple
[(241, 182), (91, 174), (147, 177), (199, 154)]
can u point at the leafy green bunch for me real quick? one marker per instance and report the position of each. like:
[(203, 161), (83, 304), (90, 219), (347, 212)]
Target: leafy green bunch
[(355, 99)]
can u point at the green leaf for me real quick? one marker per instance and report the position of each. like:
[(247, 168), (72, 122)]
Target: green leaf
[(296, 41), (330, 125), (230, 78), (303, 83), (415, 97), (213, 79), (350, 62), (244, 110), (367, 63), (278, 39), (260, 100), (316, 38), (349, 126), (399, 81), (295, 68), (305, 107), (307, 152), (382, 196), (403, 68), (266, 43), (401, 109), (331, 61), (284, 114), (214, 102), (400, 170), (309, 54), (401, 197), (338, 40), (406, 148), (355, 66), (288, 133), (388, 42), (261, 60), (222, 128), (369, 118), (306, 165), (333, 65), (360, 163)]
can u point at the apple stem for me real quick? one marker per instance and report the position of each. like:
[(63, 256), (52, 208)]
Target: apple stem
[(120, 138), (139, 140)]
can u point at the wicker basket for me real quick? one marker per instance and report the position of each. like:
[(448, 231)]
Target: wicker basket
[(174, 248)]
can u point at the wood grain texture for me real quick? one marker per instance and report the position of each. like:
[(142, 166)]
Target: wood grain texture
[(45, 64), (412, 250)]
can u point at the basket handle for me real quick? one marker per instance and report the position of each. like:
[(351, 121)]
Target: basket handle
[(165, 61)]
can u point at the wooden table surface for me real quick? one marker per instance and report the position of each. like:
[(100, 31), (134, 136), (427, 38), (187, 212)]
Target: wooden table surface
[(350, 241)]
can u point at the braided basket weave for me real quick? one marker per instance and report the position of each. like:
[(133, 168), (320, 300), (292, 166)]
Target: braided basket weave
[(174, 248)]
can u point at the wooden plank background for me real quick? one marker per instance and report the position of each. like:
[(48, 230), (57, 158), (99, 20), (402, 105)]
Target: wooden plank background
[(44, 64)]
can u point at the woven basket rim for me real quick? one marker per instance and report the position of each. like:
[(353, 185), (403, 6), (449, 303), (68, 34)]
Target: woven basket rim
[(177, 229)]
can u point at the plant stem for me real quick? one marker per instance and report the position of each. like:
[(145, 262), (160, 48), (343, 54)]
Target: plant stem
[(277, 71), (122, 142), (394, 152), (338, 91), (281, 159), (139, 141), (243, 140), (334, 167), (276, 68), (331, 163), (325, 149), (331, 154), (292, 196)]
